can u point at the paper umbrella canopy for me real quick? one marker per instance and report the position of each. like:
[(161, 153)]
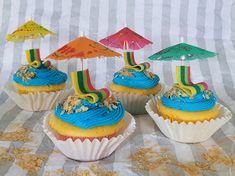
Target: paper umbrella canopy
[(182, 51), (125, 39), (82, 48), (29, 30)]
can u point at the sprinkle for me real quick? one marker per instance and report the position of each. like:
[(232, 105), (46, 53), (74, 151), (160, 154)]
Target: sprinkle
[(149, 159), (93, 170), (55, 172), (110, 107), (21, 135), (215, 156), (175, 91), (25, 74), (158, 159), (82, 109), (125, 72), (102, 172), (110, 102), (70, 104), (52, 67), (23, 158), (30, 162), (114, 106), (149, 74), (80, 173), (62, 112), (77, 102), (4, 155)]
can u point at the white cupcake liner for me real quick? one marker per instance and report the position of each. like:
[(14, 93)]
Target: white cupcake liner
[(188, 132), (37, 101), (134, 103), (90, 150)]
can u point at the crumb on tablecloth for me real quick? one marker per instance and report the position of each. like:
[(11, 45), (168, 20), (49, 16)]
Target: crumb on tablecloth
[(21, 135), (160, 159)]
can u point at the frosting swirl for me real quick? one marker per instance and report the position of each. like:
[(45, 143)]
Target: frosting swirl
[(82, 114), (130, 78), (30, 76), (200, 102)]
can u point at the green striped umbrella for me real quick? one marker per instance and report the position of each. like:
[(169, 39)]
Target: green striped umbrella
[(182, 51)]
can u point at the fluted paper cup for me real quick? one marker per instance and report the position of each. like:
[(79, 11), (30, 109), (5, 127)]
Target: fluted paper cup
[(135, 103), (188, 132), (37, 101), (90, 150)]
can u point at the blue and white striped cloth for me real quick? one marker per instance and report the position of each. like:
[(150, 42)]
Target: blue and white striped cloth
[(209, 24)]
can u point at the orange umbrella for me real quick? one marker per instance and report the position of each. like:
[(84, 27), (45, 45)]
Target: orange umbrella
[(82, 48)]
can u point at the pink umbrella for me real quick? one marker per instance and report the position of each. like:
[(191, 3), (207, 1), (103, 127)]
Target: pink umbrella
[(125, 39)]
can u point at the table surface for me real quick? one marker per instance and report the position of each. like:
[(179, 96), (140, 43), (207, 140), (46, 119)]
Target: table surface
[(147, 151)]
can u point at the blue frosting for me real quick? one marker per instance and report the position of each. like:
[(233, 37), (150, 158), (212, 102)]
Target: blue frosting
[(44, 77), (138, 80), (96, 115), (201, 101)]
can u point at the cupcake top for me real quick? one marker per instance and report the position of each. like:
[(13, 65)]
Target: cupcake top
[(83, 114), (177, 98), (187, 96), (37, 72), (135, 75), (135, 79), (28, 75)]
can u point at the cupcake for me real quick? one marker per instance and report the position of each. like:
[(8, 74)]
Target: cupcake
[(178, 106), (76, 118), (133, 85), (89, 125), (37, 85), (38, 76), (188, 112)]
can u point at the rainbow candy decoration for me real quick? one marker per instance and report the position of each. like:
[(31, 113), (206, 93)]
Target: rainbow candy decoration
[(84, 89), (130, 62), (34, 60), (185, 83)]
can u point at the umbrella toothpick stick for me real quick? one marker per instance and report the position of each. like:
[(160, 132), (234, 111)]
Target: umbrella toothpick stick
[(182, 60), (82, 63)]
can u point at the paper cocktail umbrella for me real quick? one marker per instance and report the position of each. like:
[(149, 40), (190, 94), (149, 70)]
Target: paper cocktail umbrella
[(184, 52), (126, 39), (29, 30), (84, 48), (181, 51)]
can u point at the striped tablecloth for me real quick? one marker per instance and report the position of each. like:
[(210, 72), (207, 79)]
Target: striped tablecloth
[(208, 24)]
